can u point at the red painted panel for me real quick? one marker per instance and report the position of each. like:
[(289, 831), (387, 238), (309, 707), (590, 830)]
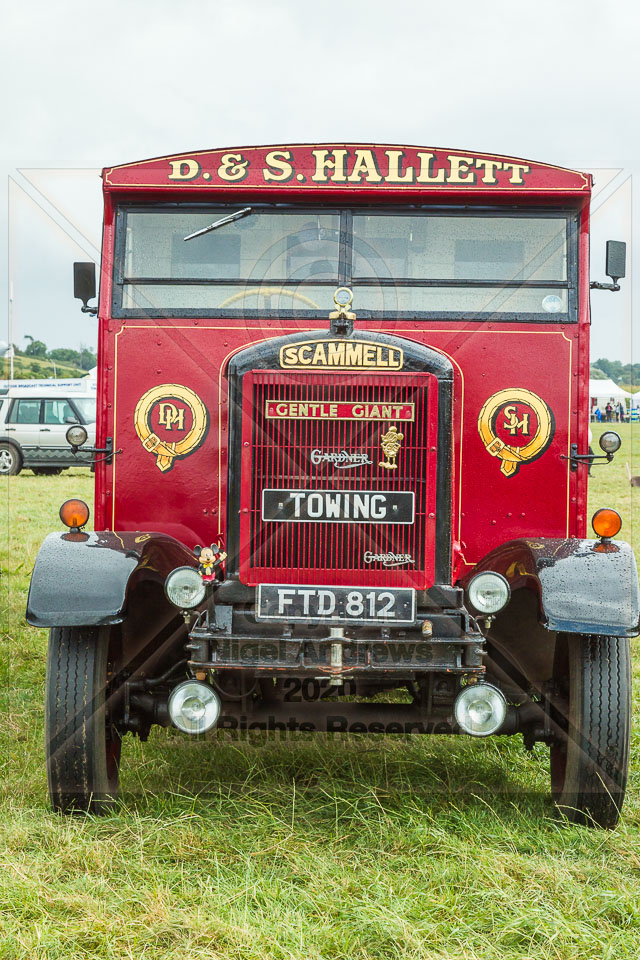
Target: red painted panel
[(543, 498)]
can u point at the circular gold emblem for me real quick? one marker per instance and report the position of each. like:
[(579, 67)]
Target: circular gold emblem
[(517, 426), (171, 422)]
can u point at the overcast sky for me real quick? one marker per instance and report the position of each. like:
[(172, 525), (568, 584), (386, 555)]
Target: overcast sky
[(88, 85)]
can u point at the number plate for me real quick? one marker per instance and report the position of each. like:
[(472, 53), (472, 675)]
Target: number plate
[(353, 604)]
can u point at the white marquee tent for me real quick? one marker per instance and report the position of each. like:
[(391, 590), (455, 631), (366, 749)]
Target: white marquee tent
[(605, 391)]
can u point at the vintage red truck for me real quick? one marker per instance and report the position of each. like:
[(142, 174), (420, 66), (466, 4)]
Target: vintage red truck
[(342, 451)]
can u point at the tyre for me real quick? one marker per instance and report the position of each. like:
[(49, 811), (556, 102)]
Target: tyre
[(47, 471), (591, 716), (10, 460), (81, 740)]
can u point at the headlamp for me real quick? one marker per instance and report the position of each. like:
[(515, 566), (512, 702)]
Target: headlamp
[(488, 592), (480, 709), (610, 441), (184, 588), (76, 435), (194, 707)]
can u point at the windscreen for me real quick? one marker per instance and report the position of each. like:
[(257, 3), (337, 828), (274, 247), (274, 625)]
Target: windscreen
[(432, 263)]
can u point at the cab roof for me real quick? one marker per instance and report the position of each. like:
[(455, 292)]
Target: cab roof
[(426, 173)]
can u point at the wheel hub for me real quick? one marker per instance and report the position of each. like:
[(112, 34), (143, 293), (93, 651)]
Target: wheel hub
[(6, 461)]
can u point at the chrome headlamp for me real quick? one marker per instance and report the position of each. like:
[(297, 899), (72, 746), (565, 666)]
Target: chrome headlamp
[(610, 442), (194, 707), (76, 435), (184, 588), (488, 592), (480, 709)]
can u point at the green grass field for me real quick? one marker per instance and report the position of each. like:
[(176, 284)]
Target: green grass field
[(317, 847)]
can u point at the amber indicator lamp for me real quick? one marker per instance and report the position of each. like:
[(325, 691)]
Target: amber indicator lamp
[(74, 514), (606, 522)]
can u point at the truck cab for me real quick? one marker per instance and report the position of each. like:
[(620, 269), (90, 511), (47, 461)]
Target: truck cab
[(343, 438)]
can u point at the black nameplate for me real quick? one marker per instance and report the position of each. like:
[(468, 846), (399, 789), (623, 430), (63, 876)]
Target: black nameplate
[(338, 506)]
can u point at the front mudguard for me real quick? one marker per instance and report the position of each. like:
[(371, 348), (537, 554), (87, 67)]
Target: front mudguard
[(102, 578), (581, 586)]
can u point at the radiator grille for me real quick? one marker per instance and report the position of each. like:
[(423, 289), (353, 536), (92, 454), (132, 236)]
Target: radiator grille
[(278, 453)]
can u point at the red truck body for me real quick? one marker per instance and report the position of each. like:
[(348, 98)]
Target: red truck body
[(524, 364)]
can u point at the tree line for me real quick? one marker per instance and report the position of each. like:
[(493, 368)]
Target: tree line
[(628, 373), (84, 358)]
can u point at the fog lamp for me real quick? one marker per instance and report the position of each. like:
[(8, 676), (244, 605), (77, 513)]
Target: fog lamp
[(488, 592), (480, 709), (76, 435), (74, 514), (194, 707), (606, 522), (610, 442), (184, 588)]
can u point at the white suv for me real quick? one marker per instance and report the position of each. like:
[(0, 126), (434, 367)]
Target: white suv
[(33, 427)]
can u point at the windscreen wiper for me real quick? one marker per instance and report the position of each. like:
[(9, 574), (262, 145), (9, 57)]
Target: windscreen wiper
[(220, 223)]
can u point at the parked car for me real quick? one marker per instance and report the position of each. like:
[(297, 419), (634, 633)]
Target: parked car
[(33, 427)]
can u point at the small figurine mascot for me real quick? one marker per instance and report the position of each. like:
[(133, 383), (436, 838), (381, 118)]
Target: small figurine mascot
[(209, 558)]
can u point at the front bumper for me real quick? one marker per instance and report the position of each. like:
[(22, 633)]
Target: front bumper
[(230, 638)]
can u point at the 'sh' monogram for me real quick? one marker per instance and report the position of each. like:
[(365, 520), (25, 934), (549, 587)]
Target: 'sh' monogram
[(502, 410), (170, 415), (512, 424)]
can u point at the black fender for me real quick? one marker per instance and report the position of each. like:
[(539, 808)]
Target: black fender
[(581, 586), (96, 579)]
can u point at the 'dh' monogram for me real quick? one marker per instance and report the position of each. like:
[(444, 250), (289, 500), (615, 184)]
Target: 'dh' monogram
[(184, 442), (170, 416)]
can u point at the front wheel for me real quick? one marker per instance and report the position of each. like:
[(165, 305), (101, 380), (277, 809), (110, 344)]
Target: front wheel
[(591, 713), (82, 742)]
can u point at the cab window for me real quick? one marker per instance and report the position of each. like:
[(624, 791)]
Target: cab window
[(25, 411), (484, 264)]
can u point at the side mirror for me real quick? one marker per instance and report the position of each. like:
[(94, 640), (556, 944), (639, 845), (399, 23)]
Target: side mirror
[(616, 259), (84, 284)]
